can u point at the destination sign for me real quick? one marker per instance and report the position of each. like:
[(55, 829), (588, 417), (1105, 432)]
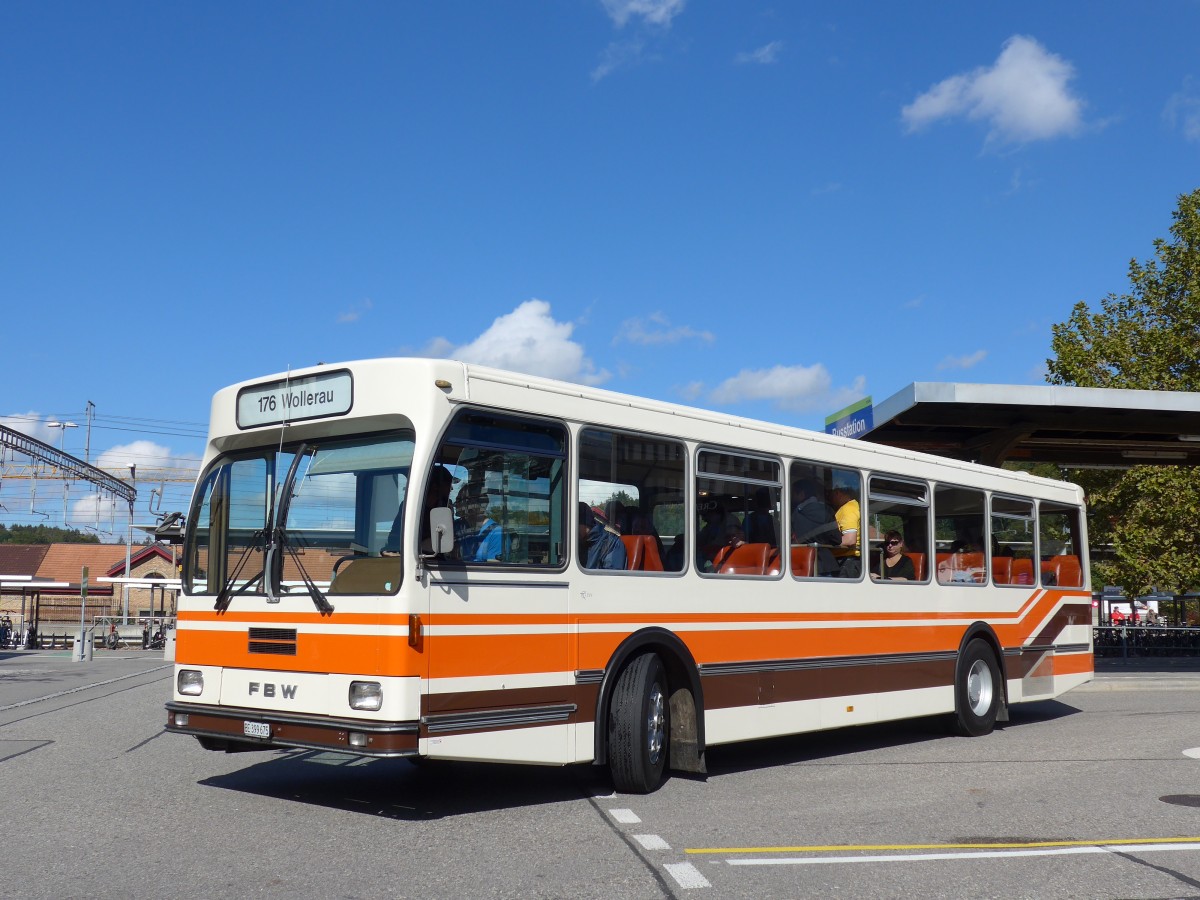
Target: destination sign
[(294, 399)]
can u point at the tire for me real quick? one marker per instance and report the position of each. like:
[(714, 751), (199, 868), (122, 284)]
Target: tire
[(978, 690), (110, 641), (639, 725)]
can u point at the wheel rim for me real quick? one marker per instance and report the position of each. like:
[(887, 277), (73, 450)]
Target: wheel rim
[(655, 724), (979, 688)]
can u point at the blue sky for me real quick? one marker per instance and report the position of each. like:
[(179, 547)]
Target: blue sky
[(772, 209)]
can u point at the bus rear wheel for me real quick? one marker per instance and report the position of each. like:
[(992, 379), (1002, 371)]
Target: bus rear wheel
[(638, 726), (977, 690)]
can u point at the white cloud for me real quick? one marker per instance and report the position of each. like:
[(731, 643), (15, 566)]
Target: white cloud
[(528, 339), (1024, 96), (691, 391), (146, 455), (963, 362), (355, 312), (1183, 110), (98, 511), (795, 388), (34, 425), (658, 331), (650, 12), (763, 56), (651, 18)]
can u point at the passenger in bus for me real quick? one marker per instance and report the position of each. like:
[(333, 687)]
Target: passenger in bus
[(759, 523), (813, 523), (847, 515), (715, 533), (600, 545), (894, 565), (482, 539)]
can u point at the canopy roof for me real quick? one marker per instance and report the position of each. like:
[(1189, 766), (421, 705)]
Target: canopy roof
[(995, 423)]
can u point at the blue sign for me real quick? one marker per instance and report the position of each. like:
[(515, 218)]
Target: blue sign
[(853, 421)]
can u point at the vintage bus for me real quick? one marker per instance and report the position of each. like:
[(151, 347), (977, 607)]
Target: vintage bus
[(391, 558)]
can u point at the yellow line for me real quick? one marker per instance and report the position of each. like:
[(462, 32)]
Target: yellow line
[(852, 848)]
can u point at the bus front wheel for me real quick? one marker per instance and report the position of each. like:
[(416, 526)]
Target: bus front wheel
[(977, 690), (638, 726)]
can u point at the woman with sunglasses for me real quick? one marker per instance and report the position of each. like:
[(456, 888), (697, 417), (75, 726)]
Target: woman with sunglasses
[(893, 564)]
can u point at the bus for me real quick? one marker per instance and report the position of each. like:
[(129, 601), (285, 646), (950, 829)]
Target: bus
[(394, 558)]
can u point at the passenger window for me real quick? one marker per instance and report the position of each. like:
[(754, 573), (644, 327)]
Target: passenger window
[(898, 511), (825, 521), (631, 493), (508, 490), (1060, 543), (960, 550), (1013, 547), (737, 514)]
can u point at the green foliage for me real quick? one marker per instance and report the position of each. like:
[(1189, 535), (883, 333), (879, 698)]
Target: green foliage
[(44, 534), (1147, 339)]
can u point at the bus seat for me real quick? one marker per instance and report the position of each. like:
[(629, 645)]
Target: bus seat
[(1065, 569), (804, 561), (635, 555), (970, 562), (746, 559), (1022, 571), (652, 559), (368, 575), (1002, 569), (774, 563), (918, 561)]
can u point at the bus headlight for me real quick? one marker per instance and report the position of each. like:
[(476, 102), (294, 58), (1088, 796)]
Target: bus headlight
[(190, 682), (366, 695)]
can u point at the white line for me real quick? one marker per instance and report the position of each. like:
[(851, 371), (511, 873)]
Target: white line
[(82, 687), (980, 854), (687, 876), (651, 842), (624, 816), (1194, 752)]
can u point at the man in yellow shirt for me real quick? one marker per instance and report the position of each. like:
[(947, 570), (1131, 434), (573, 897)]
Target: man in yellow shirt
[(844, 499)]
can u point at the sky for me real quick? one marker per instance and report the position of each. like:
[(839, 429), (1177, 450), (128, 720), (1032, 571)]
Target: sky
[(765, 208)]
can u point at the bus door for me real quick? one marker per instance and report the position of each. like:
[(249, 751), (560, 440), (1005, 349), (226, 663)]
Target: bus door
[(500, 679)]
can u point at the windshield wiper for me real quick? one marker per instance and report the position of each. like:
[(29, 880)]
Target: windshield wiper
[(283, 542), (227, 592)]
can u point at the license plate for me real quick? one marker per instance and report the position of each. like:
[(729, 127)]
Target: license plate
[(256, 729)]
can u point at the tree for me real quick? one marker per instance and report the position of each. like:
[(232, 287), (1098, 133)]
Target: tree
[(44, 534), (1146, 339)]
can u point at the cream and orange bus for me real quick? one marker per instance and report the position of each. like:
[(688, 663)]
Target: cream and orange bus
[(391, 558)]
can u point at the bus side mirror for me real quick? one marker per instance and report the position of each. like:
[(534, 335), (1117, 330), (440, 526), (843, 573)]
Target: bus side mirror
[(441, 530)]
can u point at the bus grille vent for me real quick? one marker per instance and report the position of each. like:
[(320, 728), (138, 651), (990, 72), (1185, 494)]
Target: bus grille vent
[(277, 641)]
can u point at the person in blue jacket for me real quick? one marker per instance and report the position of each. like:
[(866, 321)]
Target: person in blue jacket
[(600, 546)]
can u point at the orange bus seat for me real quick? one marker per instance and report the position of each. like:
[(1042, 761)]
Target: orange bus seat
[(745, 559), (1066, 570), (1022, 571), (804, 561), (651, 558), (918, 561), (635, 553), (1002, 569), (774, 563)]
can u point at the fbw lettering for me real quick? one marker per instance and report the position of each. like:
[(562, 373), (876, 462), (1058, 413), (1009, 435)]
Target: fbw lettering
[(287, 691)]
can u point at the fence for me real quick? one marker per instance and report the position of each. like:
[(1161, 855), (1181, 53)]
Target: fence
[(1145, 641)]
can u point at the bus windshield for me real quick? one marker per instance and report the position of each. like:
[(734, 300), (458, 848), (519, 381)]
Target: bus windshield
[(346, 500)]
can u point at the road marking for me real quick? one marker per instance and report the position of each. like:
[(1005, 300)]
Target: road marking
[(651, 842), (687, 876), (996, 854), (82, 687), (980, 845), (624, 816), (1194, 752)]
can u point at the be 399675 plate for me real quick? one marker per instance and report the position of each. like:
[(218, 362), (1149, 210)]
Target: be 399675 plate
[(256, 729)]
